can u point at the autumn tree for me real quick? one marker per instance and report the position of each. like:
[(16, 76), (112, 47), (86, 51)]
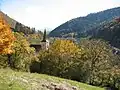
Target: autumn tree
[(23, 54), (98, 60), (64, 48), (58, 60), (6, 37)]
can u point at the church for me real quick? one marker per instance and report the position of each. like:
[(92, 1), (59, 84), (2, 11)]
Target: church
[(43, 45)]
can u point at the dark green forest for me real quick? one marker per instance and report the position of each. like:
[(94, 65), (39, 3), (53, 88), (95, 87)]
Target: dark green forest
[(80, 25)]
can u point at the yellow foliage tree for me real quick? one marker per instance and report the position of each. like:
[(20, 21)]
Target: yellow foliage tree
[(61, 58), (23, 54), (65, 48), (6, 37)]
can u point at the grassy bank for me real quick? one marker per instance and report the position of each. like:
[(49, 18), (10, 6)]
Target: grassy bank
[(11, 80)]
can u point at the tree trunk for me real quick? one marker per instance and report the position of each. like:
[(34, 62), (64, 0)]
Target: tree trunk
[(9, 60)]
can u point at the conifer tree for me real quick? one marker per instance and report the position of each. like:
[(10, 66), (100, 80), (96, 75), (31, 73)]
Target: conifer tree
[(44, 36)]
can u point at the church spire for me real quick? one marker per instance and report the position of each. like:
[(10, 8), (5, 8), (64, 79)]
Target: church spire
[(44, 36)]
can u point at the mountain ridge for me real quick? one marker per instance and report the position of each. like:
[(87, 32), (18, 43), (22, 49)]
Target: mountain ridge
[(82, 24)]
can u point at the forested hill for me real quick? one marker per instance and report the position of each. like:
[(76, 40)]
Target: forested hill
[(10, 21), (108, 31), (17, 26), (82, 24)]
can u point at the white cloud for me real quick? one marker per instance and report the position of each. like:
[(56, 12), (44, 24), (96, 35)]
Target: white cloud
[(51, 13)]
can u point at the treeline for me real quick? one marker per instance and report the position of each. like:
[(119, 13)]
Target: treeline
[(32, 35), (18, 27), (25, 29)]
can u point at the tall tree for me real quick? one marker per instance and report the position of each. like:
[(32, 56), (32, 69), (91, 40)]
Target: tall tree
[(58, 60), (23, 53), (98, 58), (6, 37), (44, 36)]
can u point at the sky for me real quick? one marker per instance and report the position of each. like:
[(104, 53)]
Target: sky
[(50, 14)]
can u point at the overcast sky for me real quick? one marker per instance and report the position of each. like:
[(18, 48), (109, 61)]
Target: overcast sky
[(51, 13)]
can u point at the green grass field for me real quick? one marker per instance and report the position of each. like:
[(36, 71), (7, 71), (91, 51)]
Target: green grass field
[(11, 80)]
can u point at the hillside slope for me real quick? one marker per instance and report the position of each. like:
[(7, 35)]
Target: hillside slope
[(10, 21), (82, 24), (108, 31), (11, 80), (17, 26)]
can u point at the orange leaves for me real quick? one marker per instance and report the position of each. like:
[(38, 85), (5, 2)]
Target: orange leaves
[(6, 37)]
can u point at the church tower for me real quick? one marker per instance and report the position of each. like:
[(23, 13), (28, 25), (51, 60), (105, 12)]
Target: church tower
[(45, 42)]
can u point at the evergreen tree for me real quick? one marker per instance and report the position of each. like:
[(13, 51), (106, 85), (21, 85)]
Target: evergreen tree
[(44, 36)]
